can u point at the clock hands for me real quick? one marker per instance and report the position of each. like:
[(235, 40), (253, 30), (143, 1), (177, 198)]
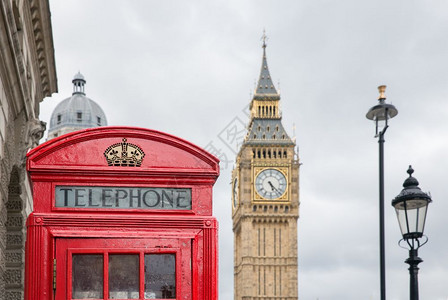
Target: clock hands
[(272, 186)]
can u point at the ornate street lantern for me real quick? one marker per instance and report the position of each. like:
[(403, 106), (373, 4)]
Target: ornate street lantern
[(411, 206)]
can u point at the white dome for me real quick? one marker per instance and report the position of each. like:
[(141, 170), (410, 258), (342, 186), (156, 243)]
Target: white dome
[(77, 112)]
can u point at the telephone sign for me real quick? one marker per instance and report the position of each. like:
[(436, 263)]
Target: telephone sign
[(121, 213), (123, 197)]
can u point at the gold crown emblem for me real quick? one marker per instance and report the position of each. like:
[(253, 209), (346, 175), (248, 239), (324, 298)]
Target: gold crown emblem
[(124, 154)]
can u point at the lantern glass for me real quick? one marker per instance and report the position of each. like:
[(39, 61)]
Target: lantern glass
[(411, 216)]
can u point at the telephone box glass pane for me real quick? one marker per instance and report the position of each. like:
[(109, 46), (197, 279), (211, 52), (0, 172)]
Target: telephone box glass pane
[(123, 276), (160, 276), (87, 276)]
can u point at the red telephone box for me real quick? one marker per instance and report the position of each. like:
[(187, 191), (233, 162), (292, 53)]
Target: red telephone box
[(121, 213)]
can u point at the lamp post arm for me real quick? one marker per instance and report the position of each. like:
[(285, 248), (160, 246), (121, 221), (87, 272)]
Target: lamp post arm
[(384, 130)]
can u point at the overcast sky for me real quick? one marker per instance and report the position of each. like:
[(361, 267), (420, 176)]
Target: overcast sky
[(188, 68)]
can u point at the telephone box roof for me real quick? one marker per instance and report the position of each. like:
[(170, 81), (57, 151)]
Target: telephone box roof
[(95, 150)]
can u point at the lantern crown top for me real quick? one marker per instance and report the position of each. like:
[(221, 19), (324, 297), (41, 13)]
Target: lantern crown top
[(411, 190), (382, 90), (410, 181), (382, 111)]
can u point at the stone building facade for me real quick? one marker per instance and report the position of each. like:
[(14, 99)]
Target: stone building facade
[(27, 76), (265, 202)]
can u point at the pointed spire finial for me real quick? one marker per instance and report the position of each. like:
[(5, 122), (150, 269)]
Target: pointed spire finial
[(265, 84), (264, 38)]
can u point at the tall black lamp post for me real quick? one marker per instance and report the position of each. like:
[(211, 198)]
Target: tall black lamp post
[(380, 114), (411, 206)]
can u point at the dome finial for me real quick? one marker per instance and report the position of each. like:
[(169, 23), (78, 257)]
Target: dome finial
[(78, 83)]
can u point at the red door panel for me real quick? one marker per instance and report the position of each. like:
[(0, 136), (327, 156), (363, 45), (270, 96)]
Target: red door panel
[(123, 269)]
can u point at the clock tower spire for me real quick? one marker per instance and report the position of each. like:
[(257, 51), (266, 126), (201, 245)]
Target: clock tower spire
[(265, 201)]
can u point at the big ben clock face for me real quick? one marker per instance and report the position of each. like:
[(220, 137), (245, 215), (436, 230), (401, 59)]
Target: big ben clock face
[(270, 184)]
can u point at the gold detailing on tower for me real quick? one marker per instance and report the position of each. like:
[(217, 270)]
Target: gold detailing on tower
[(279, 184), (382, 90), (124, 154), (265, 109)]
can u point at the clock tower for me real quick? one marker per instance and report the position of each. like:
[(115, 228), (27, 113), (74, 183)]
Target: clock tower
[(265, 201)]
